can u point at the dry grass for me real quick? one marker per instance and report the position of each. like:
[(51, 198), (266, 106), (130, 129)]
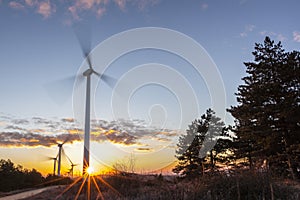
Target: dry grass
[(245, 185)]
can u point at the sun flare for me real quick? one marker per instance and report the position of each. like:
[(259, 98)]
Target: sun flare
[(90, 170)]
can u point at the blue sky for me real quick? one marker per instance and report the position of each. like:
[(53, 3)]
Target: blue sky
[(38, 47)]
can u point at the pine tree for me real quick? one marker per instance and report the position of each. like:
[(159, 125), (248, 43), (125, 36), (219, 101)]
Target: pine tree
[(267, 114), (204, 144)]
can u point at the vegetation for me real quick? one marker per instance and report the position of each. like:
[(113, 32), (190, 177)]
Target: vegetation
[(15, 177), (268, 113), (238, 184), (206, 144), (267, 121)]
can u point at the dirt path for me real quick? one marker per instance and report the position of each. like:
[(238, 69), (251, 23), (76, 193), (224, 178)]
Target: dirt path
[(27, 194)]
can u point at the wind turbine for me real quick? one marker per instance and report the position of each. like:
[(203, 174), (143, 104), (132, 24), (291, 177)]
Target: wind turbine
[(85, 47), (60, 150), (54, 164), (59, 158), (72, 166)]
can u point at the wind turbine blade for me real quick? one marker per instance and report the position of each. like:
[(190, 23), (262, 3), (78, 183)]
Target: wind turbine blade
[(50, 158), (110, 81), (83, 35), (66, 139), (68, 158), (61, 90)]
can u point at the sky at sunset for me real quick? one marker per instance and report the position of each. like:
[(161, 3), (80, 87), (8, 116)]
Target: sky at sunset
[(39, 50)]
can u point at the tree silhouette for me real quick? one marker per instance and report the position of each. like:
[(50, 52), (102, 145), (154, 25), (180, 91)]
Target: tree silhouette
[(15, 177), (202, 145), (268, 112)]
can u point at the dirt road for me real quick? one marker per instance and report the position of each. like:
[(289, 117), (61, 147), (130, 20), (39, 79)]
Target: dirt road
[(27, 194)]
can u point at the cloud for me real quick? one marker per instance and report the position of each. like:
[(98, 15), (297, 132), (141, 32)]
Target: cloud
[(20, 121), (116, 137), (143, 4), (121, 4), (45, 9), (38, 131), (30, 2), (77, 8), (94, 6), (263, 33), (16, 5), (296, 36), (29, 139), (17, 139), (70, 120), (248, 28), (42, 7), (143, 149), (243, 34), (12, 127), (100, 12), (204, 6), (281, 37), (278, 36)]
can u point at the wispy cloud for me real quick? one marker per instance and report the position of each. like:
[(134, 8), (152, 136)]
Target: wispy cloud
[(296, 36), (281, 37), (204, 6), (30, 2), (100, 12), (278, 36), (20, 121), (44, 7), (248, 28), (143, 4), (77, 8), (99, 7), (121, 4), (16, 5)]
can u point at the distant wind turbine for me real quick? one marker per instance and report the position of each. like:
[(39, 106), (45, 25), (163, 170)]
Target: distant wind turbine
[(59, 155), (72, 166), (54, 163)]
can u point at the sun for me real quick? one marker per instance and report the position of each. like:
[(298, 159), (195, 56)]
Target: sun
[(90, 170)]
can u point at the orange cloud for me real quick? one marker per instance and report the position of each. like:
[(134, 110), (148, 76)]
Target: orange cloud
[(45, 9), (71, 120)]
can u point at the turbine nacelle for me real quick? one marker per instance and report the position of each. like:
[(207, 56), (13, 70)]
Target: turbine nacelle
[(88, 72)]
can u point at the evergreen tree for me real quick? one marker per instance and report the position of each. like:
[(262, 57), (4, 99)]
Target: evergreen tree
[(202, 145), (267, 115)]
